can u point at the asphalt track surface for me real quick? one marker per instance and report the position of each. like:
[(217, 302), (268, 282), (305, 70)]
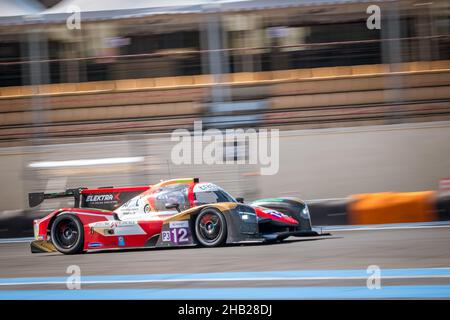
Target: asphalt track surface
[(414, 263)]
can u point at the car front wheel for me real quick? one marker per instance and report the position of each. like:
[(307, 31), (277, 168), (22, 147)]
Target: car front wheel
[(211, 228)]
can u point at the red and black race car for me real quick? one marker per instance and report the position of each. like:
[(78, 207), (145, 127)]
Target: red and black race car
[(179, 212)]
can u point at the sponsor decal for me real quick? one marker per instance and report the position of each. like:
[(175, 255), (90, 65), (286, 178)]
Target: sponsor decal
[(273, 213), (95, 245), (133, 206), (99, 197), (117, 228), (179, 224), (121, 242), (203, 187), (166, 236), (178, 233), (113, 224)]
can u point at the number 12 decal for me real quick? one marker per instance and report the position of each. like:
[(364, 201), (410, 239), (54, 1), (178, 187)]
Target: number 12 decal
[(179, 235)]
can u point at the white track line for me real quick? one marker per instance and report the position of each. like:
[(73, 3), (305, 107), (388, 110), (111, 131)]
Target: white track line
[(381, 227), (221, 280), (16, 240)]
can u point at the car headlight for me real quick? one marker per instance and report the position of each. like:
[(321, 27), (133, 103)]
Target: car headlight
[(245, 215), (305, 212)]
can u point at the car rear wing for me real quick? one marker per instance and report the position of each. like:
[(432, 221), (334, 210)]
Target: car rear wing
[(36, 198), (106, 198)]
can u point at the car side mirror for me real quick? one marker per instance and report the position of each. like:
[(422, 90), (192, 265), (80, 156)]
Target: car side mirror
[(240, 200), (173, 205)]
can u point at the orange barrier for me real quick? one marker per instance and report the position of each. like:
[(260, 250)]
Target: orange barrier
[(391, 207)]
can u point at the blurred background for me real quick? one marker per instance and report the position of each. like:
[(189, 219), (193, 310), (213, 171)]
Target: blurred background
[(359, 109)]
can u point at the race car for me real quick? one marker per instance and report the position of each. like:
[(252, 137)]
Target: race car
[(171, 213)]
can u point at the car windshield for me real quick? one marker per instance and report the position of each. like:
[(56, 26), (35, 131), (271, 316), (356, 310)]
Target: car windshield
[(212, 196)]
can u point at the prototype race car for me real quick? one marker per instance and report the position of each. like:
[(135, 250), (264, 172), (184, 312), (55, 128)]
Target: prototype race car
[(172, 213)]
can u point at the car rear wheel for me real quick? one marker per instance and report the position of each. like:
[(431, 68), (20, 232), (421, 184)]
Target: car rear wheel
[(67, 234), (211, 228)]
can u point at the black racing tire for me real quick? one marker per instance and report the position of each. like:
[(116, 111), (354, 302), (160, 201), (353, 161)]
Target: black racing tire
[(211, 228), (67, 234)]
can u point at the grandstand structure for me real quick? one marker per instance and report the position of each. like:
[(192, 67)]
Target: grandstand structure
[(140, 66)]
